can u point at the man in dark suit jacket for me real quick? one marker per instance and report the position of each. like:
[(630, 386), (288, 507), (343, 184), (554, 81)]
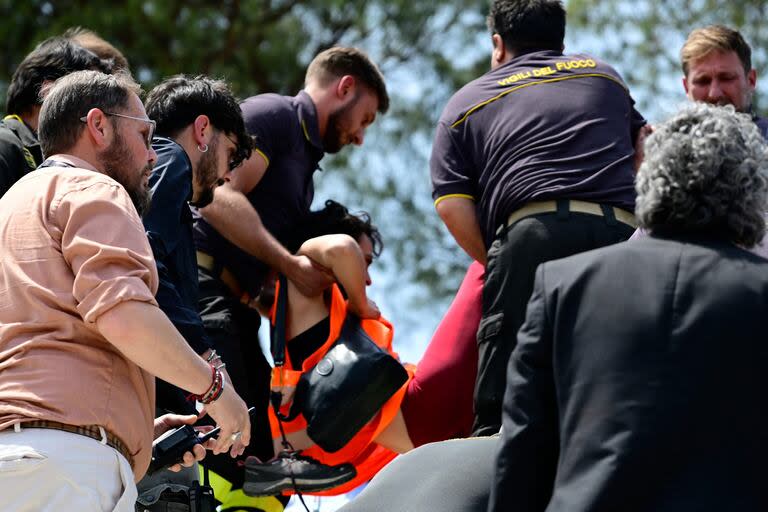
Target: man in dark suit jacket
[(639, 379)]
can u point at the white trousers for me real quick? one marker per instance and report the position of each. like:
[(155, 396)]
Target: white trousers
[(45, 470)]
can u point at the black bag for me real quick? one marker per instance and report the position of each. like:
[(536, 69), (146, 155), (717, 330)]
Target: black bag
[(346, 388)]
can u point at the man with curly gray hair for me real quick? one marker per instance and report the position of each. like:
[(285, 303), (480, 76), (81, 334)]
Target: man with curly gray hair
[(639, 374), (706, 148), (705, 171)]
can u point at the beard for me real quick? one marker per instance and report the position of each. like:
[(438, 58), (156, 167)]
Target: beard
[(337, 120), (207, 177), (114, 160)]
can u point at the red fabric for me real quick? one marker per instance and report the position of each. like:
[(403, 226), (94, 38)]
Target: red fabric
[(438, 402)]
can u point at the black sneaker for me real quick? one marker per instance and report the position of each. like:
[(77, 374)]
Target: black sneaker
[(309, 475)]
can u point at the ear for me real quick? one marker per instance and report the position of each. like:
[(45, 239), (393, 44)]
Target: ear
[(202, 130), (752, 79), (499, 51), (345, 87), (685, 84), (99, 129)]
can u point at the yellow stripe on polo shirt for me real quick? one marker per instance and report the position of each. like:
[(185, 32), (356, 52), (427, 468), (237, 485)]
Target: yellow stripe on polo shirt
[(260, 152), (448, 196), (517, 88)]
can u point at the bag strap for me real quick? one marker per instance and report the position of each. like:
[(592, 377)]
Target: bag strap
[(277, 346), (277, 338)]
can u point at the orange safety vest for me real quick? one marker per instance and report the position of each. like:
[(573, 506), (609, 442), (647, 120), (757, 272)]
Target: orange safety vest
[(362, 452)]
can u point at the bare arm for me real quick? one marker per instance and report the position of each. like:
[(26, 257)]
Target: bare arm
[(144, 335), (342, 255), (232, 215), (460, 217)]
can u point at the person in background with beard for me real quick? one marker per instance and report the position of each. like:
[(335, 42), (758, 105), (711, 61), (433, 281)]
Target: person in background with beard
[(717, 69), (237, 236), (81, 336)]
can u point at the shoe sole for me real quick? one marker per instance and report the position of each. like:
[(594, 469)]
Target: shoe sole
[(255, 490)]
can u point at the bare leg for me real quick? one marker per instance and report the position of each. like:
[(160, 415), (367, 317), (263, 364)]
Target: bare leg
[(299, 440), (395, 436)]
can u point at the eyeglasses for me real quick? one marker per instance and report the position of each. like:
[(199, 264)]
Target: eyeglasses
[(239, 154), (152, 124)]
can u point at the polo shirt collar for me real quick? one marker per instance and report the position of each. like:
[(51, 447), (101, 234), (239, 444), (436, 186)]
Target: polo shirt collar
[(23, 131), (307, 112)]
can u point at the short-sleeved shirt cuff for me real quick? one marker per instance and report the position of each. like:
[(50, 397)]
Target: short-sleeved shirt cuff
[(449, 196), (112, 292)]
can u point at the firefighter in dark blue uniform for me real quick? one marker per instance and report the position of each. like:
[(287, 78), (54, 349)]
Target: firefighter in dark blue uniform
[(532, 161), (238, 237)]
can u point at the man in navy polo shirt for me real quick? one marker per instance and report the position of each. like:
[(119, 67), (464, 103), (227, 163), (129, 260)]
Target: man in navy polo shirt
[(273, 190), (238, 235), (533, 161)]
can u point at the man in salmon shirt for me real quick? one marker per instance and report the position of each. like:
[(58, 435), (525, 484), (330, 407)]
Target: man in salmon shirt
[(81, 335)]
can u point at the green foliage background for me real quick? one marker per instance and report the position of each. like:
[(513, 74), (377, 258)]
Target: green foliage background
[(643, 39), (426, 50)]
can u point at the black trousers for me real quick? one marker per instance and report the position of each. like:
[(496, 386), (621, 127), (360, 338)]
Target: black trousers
[(510, 271), (233, 328)]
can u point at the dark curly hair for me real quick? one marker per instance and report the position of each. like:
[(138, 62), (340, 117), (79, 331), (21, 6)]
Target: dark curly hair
[(334, 218)]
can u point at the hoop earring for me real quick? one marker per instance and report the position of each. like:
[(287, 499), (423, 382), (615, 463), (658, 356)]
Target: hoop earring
[(202, 148)]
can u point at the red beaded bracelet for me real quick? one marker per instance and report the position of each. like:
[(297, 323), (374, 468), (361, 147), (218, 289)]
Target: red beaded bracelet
[(216, 389), (213, 392)]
